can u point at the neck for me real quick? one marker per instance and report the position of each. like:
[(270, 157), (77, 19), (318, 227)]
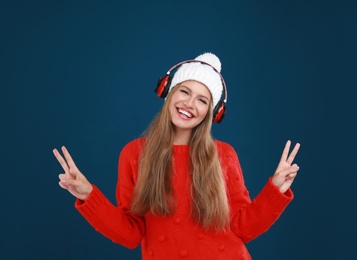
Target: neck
[(182, 137)]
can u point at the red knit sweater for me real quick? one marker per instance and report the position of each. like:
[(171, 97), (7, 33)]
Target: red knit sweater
[(178, 236)]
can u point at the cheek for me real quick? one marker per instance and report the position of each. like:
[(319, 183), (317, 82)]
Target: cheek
[(203, 110), (171, 109), (174, 101)]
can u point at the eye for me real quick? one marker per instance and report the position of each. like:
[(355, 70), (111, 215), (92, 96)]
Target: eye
[(184, 91), (203, 101)]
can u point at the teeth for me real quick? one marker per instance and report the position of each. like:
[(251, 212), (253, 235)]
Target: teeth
[(185, 113)]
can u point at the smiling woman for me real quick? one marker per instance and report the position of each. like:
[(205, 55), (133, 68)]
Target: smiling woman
[(181, 193)]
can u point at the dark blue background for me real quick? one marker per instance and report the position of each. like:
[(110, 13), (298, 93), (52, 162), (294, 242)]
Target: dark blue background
[(82, 74)]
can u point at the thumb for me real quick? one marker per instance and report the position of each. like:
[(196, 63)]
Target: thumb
[(74, 173), (71, 182), (292, 169)]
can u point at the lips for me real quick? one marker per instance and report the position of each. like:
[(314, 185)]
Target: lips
[(184, 113)]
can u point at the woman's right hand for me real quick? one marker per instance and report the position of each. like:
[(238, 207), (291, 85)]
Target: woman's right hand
[(72, 179)]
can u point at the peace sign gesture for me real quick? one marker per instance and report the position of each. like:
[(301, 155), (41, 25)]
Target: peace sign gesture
[(285, 172), (72, 179)]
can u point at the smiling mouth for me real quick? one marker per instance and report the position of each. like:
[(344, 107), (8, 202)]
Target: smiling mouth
[(184, 113)]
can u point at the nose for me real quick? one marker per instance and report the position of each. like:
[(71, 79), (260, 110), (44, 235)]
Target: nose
[(189, 102)]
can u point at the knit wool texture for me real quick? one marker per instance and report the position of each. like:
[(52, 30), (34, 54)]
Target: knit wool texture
[(178, 236), (202, 73)]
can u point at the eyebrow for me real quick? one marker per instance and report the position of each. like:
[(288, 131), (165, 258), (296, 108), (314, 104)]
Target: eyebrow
[(189, 89)]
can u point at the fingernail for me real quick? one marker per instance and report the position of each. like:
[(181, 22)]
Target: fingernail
[(64, 181)]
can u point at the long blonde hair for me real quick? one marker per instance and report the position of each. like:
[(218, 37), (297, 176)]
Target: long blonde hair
[(154, 191)]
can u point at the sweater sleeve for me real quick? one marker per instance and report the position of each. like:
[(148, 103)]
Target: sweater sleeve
[(251, 218), (116, 222)]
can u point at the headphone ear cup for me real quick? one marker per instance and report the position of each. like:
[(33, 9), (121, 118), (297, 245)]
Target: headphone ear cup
[(219, 112), (163, 86)]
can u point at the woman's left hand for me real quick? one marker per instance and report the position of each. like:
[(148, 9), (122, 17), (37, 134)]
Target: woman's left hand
[(285, 173)]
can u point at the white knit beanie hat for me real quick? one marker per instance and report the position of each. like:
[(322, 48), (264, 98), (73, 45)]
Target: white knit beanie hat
[(202, 73)]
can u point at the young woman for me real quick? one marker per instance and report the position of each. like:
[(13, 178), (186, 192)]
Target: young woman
[(180, 193)]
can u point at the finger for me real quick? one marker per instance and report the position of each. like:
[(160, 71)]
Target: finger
[(285, 153), (61, 160), (65, 178), (292, 169), (63, 186), (62, 176), (68, 183), (292, 176), (293, 154), (63, 181), (69, 159)]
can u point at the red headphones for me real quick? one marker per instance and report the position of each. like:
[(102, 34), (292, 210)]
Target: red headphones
[(163, 87)]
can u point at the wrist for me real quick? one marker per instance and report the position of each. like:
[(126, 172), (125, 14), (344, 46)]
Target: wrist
[(90, 189)]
